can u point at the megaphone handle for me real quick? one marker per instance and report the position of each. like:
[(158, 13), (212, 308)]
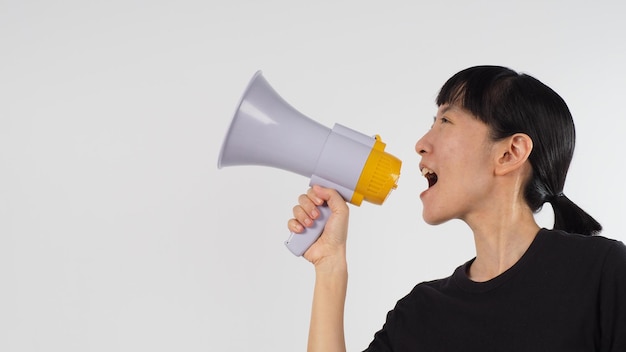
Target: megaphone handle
[(298, 243)]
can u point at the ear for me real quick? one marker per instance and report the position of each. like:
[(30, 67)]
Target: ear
[(512, 153)]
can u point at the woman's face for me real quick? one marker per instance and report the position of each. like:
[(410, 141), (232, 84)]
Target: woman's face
[(458, 162)]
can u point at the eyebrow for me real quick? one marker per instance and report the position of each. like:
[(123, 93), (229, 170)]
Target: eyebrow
[(446, 109)]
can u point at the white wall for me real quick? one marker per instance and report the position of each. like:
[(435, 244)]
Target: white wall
[(119, 233)]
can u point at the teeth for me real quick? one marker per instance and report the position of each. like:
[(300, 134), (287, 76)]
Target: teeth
[(426, 171)]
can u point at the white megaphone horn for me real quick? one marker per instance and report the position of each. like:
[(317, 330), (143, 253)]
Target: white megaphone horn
[(267, 131)]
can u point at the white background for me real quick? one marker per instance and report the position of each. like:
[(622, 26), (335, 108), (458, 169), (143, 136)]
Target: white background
[(119, 233)]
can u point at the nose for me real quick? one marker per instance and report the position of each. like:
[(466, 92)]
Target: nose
[(422, 146)]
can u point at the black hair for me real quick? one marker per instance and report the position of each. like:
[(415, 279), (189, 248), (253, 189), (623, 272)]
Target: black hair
[(510, 103)]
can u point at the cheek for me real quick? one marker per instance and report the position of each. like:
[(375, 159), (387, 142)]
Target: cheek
[(476, 178), (468, 169)]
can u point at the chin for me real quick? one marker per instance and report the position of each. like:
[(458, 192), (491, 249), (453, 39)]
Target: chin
[(432, 219)]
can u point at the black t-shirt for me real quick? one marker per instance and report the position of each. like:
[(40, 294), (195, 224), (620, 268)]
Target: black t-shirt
[(566, 293)]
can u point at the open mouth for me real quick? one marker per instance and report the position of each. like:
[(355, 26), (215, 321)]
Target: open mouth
[(430, 175)]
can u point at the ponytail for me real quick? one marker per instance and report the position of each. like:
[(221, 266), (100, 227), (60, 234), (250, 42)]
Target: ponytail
[(571, 218)]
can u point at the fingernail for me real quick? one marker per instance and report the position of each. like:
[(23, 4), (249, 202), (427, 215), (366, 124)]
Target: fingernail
[(314, 213), (307, 222)]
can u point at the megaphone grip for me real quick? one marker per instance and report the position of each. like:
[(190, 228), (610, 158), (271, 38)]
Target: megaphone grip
[(298, 243)]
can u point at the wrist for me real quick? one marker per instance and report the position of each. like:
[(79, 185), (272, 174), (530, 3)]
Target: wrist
[(332, 265)]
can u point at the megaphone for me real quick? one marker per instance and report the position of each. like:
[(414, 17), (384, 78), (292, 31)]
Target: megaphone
[(267, 131)]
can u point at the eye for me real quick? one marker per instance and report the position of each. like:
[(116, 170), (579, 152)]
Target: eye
[(442, 120)]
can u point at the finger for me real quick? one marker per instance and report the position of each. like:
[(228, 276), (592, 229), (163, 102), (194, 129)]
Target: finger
[(313, 195), (301, 215), (331, 196), (309, 206), (295, 226)]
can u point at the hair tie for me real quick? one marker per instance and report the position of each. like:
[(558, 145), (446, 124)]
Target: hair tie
[(553, 198)]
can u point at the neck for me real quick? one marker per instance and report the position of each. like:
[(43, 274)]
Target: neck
[(502, 242)]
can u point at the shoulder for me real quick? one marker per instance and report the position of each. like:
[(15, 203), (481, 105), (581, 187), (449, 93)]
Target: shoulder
[(565, 241), (582, 252)]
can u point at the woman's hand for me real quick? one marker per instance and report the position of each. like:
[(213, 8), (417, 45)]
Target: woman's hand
[(332, 242)]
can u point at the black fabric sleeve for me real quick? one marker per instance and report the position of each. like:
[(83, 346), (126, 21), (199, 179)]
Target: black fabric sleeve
[(385, 340), (398, 332), (380, 342)]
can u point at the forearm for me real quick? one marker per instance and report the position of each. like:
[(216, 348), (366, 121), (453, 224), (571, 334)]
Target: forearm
[(326, 331)]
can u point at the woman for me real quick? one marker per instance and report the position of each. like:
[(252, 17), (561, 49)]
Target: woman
[(499, 148)]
